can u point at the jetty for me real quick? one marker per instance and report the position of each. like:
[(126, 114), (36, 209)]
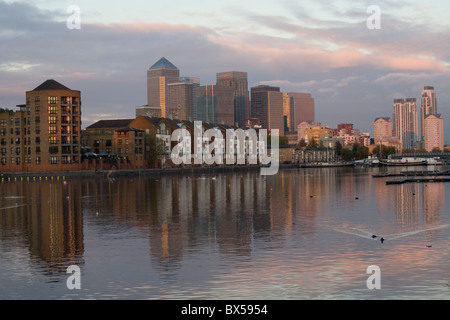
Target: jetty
[(417, 179)]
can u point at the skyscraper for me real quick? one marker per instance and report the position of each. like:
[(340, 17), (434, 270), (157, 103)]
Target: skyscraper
[(302, 107), (429, 106), (434, 132), (159, 76), (215, 104), (406, 122), (267, 106), (239, 83)]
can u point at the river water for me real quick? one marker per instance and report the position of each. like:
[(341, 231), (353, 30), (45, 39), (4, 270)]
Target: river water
[(302, 234)]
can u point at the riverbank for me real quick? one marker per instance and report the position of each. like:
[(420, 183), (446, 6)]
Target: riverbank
[(67, 175)]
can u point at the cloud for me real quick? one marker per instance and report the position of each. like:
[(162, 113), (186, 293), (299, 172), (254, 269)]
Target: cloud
[(346, 66)]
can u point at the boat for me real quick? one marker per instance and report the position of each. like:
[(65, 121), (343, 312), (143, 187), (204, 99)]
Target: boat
[(328, 165), (404, 162)]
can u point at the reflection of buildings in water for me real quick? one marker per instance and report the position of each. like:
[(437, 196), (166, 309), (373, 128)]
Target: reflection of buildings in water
[(407, 204), (433, 195), (49, 218)]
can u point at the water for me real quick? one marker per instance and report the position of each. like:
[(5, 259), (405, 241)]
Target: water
[(302, 234)]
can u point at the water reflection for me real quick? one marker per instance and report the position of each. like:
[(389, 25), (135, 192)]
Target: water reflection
[(237, 217)]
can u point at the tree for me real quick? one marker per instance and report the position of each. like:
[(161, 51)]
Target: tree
[(154, 148), (302, 144), (313, 144), (347, 154), (338, 147)]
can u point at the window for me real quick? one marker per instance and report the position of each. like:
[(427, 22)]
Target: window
[(53, 150), (52, 100), (53, 109), (37, 100), (53, 140), (53, 160), (4, 161), (53, 130), (3, 122), (17, 121), (52, 120), (38, 160), (38, 130), (37, 119), (3, 151), (38, 149)]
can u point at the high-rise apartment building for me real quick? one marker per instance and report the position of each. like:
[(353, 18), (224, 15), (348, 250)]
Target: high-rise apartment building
[(215, 104), (238, 81), (267, 106), (159, 77), (429, 106), (406, 122), (44, 135), (434, 132), (382, 128)]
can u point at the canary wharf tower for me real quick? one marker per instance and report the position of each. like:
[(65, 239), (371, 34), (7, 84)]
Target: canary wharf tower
[(159, 76)]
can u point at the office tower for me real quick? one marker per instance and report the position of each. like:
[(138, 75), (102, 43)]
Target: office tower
[(180, 101), (44, 135), (429, 106), (302, 108), (267, 106), (406, 122), (215, 104), (287, 110), (382, 128), (159, 76), (239, 83), (434, 132)]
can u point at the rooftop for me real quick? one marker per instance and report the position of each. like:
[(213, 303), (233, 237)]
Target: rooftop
[(163, 63), (120, 123), (51, 85)]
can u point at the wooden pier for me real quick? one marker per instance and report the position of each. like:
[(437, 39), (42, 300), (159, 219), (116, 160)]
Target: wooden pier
[(417, 179)]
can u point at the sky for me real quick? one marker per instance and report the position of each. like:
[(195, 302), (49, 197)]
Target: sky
[(321, 47)]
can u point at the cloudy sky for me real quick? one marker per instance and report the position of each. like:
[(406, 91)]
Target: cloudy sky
[(321, 47)]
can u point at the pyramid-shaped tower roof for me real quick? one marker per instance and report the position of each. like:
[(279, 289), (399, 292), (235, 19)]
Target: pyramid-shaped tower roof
[(51, 85), (163, 63)]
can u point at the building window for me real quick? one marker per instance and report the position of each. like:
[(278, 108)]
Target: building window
[(53, 109), (53, 150), (53, 140), (53, 130), (38, 130), (53, 160), (37, 100), (3, 151), (52, 120), (52, 100), (38, 149), (38, 160), (4, 161)]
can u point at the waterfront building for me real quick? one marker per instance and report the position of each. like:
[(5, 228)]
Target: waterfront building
[(434, 132), (99, 137), (129, 147), (238, 81), (44, 134), (318, 134), (429, 106), (406, 122), (302, 126), (159, 77), (267, 106)]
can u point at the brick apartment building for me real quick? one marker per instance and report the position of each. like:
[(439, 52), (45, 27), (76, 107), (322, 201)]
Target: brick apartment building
[(43, 134)]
